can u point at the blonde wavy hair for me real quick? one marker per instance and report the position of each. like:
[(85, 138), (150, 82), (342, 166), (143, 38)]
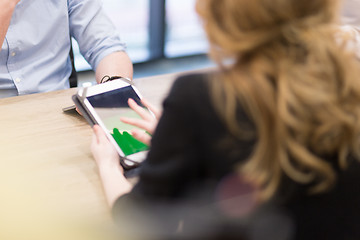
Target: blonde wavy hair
[(281, 63)]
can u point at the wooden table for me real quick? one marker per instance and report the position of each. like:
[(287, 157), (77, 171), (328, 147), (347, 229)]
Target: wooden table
[(47, 172)]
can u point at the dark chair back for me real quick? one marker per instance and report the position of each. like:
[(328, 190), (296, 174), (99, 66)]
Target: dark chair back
[(73, 79)]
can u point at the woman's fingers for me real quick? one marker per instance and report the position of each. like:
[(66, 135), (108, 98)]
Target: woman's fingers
[(139, 110), (141, 136), (147, 121), (99, 134), (140, 123), (152, 108), (96, 134)]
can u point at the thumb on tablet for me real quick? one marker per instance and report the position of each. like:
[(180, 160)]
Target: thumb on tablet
[(99, 133)]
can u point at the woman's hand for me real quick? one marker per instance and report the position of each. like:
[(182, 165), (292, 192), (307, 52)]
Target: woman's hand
[(103, 151), (148, 122), (111, 173)]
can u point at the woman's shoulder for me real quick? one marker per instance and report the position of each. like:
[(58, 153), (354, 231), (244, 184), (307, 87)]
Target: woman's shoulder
[(192, 85), (193, 79)]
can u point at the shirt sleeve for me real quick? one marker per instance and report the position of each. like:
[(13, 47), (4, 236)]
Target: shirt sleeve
[(93, 30)]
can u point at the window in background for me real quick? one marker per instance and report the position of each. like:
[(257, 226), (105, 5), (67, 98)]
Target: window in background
[(184, 33), (131, 18), (154, 29)]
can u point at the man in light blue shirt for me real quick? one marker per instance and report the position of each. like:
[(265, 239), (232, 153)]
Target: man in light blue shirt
[(35, 37)]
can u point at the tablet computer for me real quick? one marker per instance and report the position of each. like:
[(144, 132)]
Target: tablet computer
[(104, 104)]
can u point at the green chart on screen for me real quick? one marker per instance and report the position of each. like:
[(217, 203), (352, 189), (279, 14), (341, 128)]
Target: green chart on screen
[(128, 144)]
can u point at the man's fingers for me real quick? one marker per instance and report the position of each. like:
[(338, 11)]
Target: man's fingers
[(78, 111)]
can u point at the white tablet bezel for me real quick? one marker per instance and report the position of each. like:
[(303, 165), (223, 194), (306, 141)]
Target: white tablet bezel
[(130, 160)]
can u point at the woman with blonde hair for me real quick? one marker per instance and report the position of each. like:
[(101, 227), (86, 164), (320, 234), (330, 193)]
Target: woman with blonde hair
[(282, 112)]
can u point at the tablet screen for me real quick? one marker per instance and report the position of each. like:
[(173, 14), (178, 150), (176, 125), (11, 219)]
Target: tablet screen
[(112, 105)]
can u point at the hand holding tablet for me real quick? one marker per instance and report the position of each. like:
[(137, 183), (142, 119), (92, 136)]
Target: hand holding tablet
[(105, 104)]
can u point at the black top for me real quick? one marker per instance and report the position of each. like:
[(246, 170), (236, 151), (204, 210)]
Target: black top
[(189, 176)]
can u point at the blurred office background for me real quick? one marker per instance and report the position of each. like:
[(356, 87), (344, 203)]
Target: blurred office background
[(162, 36)]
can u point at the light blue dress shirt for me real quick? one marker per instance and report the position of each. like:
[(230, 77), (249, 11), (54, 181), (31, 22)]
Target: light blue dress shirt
[(35, 53)]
